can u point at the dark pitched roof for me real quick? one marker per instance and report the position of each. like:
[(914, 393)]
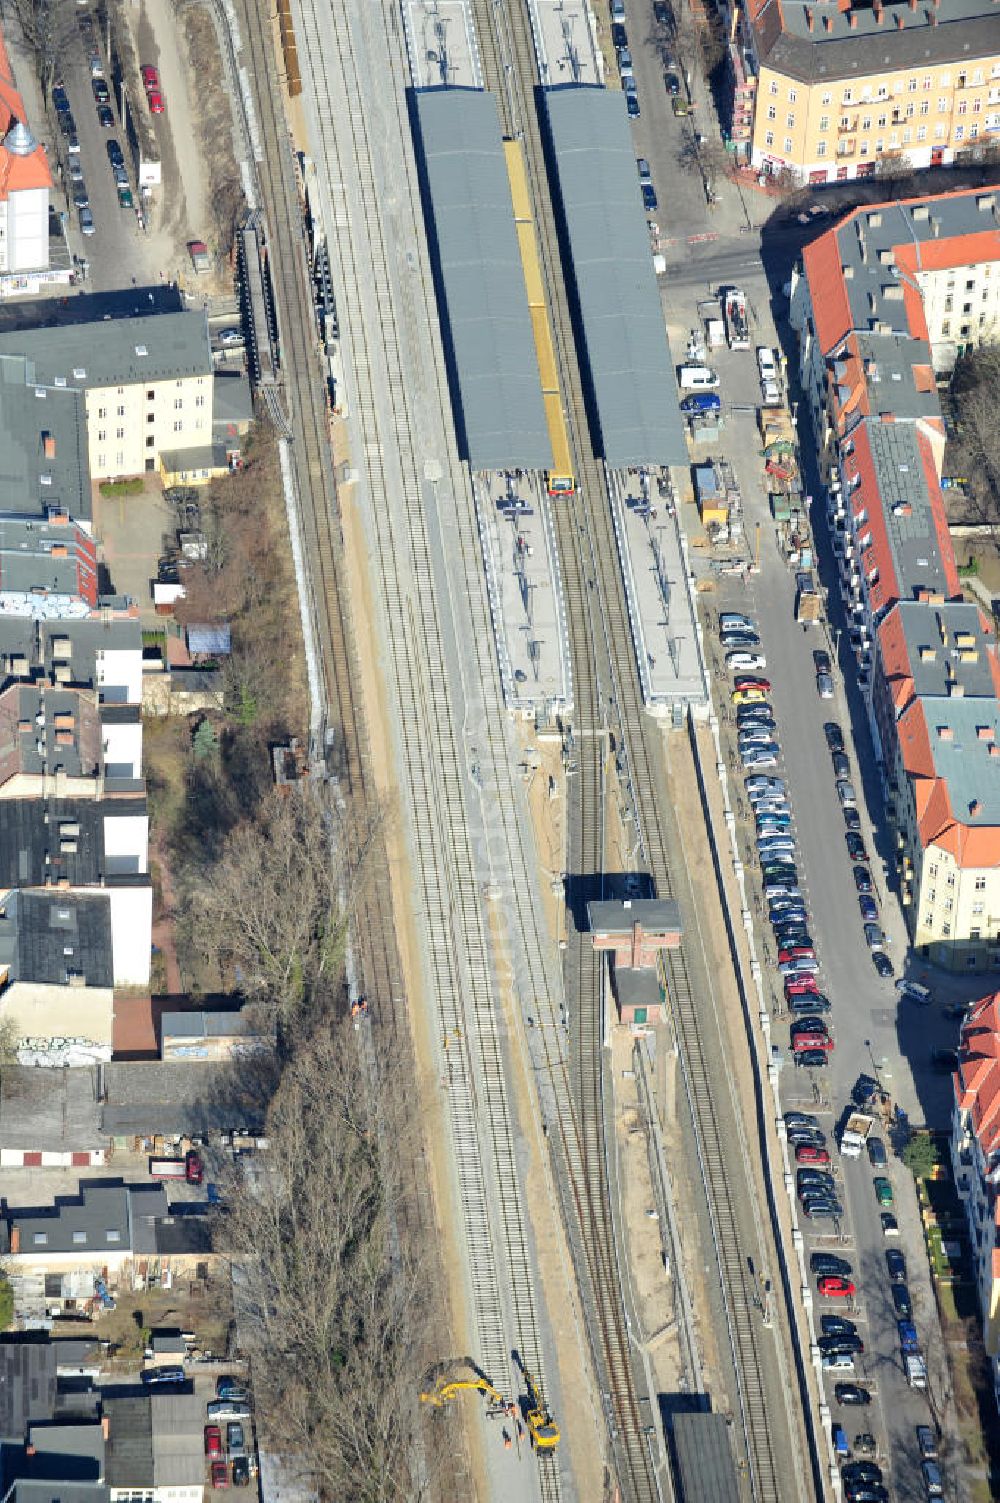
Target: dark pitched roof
[(962, 31), (27, 1386)]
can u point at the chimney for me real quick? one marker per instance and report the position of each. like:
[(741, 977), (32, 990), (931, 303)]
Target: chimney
[(49, 445), (636, 960), (15, 1240), (106, 1425), (945, 733), (809, 18), (900, 23), (984, 732), (994, 749), (913, 4), (878, 12), (975, 808), (852, 20), (828, 22)]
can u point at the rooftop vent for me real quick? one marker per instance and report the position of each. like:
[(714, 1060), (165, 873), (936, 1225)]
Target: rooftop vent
[(141, 349), (19, 141), (984, 733), (975, 808), (921, 211)]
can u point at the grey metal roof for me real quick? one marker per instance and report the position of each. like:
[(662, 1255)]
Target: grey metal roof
[(208, 1025), (906, 508), (51, 1110), (486, 324), (628, 358), (27, 1383), (115, 352), (57, 1490), (31, 411), (178, 1450), (705, 1459), (129, 1449), (933, 629), (232, 402), (964, 761)]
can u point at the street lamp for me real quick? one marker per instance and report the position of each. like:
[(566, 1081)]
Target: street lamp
[(875, 1069)]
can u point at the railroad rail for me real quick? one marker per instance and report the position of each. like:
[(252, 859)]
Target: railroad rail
[(387, 366), (608, 701), (345, 744)]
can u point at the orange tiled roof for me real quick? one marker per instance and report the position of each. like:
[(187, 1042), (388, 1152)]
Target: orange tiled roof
[(977, 1080)]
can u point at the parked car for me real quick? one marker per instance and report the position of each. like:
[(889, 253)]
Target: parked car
[(822, 1208), (840, 1343), (632, 106), (241, 1471), (852, 820), (835, 1286), (882, 963), (809, 1002), (834, 736), (619, 38), (220, 1474), (845, 792), (890, 1226), (150, 77), (235, 1438), (901, 1301), (837, 1325), (926, 1443), (868, 907), (105, 117), (87, 225), (877, 1156), (738, 661), (841, 765), (883, 1190), (874, 938), (672, 84), (914, 991), (810, 1153), (115, 156), (851, 1394), (811, 1059), (649, 199), (161, 1377), (213, 1441), (862, 879), (830, 1264), (231, 1388), (855, 846), (60, 99), (102, 94), (932, 1479)]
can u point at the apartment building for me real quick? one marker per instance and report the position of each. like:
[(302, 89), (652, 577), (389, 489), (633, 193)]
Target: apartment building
[(874, 306), (145, 385), (25, 183), (975, 1151), (824, 91)]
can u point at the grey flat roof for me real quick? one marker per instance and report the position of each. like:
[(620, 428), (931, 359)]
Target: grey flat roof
[(145, 1098), (33, 409), (178, 1450), (52, 1110), (705, 1459), (923, 628), (45, 937), (906, 508), (129, 1448), (486, 324), (631, 369), (27, 1380), (207, 1025), (656, 915), (114, 352), (964, 761)]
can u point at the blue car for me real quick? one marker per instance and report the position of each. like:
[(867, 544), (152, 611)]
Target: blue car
[(702, 401), (632, 105)]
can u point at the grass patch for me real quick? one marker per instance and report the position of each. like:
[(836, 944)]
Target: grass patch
[(133, 487)]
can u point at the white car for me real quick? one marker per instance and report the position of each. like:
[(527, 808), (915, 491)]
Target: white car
[(770, 394), (766, 363), (738, 662)]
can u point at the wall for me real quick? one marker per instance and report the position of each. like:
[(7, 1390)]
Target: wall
[(126, 837), (45, 1013), (131, 934), (27, 239), (119, 668), (961, 304), (123, 440), (123, 744)]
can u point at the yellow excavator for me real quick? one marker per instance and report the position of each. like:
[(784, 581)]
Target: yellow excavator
[(542, 1428), (448, 1386)]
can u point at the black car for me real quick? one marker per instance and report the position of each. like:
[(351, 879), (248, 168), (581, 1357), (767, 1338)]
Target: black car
[(105, 117), (855, 846), (837, 1325), (821, 662), (829, 1265), (649, 199), (632, 106), (852, 819), (841, 764), (834, 736), (797, 1136), (861, 1471), (619, 36), (895, 1263), (102, 94), (812, 1059), (862, 879), (741, 639), (865, 1089), (673, 84), (809, 1002), (831, 1345), (67, 124), (902, 1302), (60, 99), (808, 1025), (241, 1471), (851, 1393), (877, 1156), (865, 1492), (115, 154), (882, 964)]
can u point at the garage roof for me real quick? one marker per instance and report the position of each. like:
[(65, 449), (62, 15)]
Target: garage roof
[(486, 325), (631, 370)]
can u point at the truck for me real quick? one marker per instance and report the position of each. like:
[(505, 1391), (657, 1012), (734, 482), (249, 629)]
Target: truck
[(807, 602), (909, 1341), (737, 326), (916, 1370), (855, 1134), (189, 1168)]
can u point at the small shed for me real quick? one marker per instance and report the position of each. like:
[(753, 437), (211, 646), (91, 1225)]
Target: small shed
[(711, 497), (638, 994)]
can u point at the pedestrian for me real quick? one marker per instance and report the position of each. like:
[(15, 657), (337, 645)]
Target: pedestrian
[(506, 1440)]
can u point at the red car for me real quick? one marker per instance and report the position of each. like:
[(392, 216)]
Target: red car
[(834, 1287), (220, 1474), (155, 99), (752, 681), (807, 1153), (806, 952), (803, 1041), (150, 78), (800, 986), (213, 1440)]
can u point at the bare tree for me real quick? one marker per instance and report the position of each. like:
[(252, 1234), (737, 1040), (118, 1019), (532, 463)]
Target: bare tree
[(975, 449), (331, 1306), (272, 912), (45, 28)]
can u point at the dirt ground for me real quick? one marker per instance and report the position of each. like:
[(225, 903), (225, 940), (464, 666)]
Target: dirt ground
[(544, 771), (202, 1306)]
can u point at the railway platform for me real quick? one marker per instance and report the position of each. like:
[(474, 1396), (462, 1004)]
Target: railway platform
[(666, 633), (441, 44), (526, 594)]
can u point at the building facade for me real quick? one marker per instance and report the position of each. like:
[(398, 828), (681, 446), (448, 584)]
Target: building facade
[(975, 1150), (837, 88), (881, 304)]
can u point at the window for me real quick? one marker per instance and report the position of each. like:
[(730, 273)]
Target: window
[(909, 111), (949, 904), (959, 132), (790, 121), (40, 1239), (178, 425), (879, 144), (863, 149), (178, 403), (100, 461), (769, 138), (907, 136), (120, 411), (980, 884), (79, 1239), (962, 78), (101, 437), (946, 929), (973, 131), (939, 132), (974, 935), (963, 105), (932, 895), (824, 122), (946, 80), (866, 123), (977, 909), (119, 433), (788, 144), (792, 95), (951, 879), (150, 441), (882, 121), (966, 307), (150, 395), (928, 921), (847, 96), (821, 148), (772, 113), (911, 84), (826, 99), (921, 133), (925, 105), (942, 106), (199, 401), (113, 1234), (965, 329), (150, 417), (926, 82), (102, 412), (119, 459), (774, 87)]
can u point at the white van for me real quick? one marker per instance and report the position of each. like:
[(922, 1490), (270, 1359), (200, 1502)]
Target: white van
[(697, 378), (838, 1362)]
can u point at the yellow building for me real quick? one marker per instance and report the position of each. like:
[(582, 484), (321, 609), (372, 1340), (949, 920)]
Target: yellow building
[(825, 91), (146, 384)]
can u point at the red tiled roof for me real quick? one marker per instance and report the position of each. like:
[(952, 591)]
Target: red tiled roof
[(977, 1080), (17, 173), (830, 305)]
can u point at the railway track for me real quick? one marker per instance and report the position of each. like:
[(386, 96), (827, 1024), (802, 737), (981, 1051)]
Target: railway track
[(608, 701), (386, 325)]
